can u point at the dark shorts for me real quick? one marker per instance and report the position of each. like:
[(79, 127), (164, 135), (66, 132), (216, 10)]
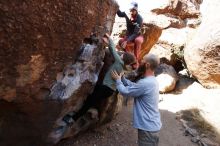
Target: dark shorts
[(146, 138)]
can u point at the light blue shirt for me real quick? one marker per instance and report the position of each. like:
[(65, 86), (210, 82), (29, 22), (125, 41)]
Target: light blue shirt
[(146, 115)]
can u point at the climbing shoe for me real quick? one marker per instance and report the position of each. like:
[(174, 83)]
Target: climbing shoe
[(68, 119), (57, 134)]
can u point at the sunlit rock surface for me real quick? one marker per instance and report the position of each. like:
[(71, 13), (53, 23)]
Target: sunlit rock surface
[(42, 75), (202, 53)]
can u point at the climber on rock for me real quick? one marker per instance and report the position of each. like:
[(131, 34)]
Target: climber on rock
[(133, 33), (108, 86)]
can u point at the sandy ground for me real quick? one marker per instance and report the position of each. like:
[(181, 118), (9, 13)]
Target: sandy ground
[(120, 132), (195, 96)]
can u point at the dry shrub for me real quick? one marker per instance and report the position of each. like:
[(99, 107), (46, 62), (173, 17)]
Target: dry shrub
[(196, 121)]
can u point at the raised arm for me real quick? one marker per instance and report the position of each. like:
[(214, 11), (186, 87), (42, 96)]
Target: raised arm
[(113, 51), (132, 90), (126, 82), (122, 14)]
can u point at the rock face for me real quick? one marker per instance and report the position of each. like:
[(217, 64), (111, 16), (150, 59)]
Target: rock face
[(38, 40), (181, 8), (202, 53), (169, 54), (179, 20), (167, 78), (151, 35), (183, 83)]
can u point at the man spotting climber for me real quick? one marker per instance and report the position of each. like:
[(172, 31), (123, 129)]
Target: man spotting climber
[(133, 33), (108, 86), (145, 91)]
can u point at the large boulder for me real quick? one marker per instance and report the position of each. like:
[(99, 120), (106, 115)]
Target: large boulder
[(203, 51), (178, 20), (183, 83), (181, 8), (170, 46), (164, 21), (166, 77), (46, 72), (151, 33), (164, 53), (109, 109), (169, 54)]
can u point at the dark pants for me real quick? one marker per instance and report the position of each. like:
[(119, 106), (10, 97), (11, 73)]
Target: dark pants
[(146, 138), (100, 93)]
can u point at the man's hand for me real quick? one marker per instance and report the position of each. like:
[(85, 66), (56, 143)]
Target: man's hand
[(124, 44), (105, 38), (107, 35), (115, 75)]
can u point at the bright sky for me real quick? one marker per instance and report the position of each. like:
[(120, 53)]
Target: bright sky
[(143, 5)]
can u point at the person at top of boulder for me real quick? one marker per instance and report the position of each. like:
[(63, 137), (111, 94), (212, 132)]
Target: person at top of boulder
[(133, 33)]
